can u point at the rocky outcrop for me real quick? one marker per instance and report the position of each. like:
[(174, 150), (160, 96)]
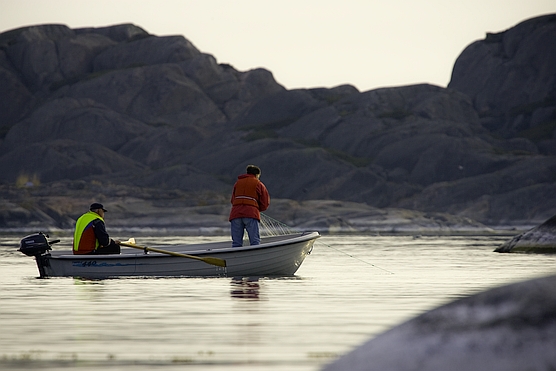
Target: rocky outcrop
[(507, 328), (124, 108), (499, 197), (20, 97), (510, 78), (541, 239)]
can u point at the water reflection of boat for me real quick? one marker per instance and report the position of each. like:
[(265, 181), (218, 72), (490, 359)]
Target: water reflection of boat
[(275, 256), (245, 288)]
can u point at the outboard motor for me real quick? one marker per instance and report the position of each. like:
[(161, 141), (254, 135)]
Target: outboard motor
[(37, 245)]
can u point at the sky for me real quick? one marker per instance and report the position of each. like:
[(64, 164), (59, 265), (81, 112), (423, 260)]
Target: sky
[(305, 43)]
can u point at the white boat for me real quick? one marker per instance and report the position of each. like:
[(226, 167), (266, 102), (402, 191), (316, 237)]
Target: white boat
[(275, 256)]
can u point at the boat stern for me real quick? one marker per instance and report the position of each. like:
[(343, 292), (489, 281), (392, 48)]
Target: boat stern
[(37, 245)]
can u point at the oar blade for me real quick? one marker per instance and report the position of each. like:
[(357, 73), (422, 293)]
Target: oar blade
[(215, 261)]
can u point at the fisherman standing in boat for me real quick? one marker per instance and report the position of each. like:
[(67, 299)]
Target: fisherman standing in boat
[(249, 198), (90, 236)]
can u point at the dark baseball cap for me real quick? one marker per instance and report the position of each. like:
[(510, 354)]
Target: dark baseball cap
[(96, 205)]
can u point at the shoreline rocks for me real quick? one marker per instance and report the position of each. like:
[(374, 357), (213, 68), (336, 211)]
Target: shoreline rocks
[(178, 216), (540, 239)]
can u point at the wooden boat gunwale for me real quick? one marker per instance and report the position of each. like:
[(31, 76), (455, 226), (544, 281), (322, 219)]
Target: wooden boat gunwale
[(131, 253)]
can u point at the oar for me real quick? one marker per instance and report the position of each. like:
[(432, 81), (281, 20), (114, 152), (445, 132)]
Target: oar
[(208, 260)]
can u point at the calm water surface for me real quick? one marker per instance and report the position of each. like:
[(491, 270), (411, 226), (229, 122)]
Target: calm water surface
[(348, 290)]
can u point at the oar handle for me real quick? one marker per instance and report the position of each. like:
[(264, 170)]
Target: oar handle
[(208, 260)]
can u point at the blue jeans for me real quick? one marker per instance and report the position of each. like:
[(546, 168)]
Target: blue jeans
[(238, 226)]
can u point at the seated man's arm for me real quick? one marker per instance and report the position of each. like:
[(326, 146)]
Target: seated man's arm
[(100, 233)]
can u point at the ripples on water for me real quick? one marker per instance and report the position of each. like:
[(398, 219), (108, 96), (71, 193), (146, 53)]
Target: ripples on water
[(348, 290)]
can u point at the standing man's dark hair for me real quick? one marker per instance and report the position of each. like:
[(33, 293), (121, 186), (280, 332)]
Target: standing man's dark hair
[(249, 198), (252, 169)]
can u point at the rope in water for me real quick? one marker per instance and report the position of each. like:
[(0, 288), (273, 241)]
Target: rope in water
[(273, 227), (356, 258)]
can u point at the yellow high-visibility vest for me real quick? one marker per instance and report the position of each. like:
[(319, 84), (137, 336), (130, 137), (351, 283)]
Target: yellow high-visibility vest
[(84, 234)]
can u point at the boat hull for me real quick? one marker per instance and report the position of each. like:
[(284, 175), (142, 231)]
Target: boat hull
[(275, 256)]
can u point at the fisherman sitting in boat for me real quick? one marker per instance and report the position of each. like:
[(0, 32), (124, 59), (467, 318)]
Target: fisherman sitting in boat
[(90, 236), (249, 198)]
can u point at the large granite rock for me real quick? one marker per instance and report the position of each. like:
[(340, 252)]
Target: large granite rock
[(12, 86), (64, 158), (540, 239), (157, 95), (502, 196), (510, 328), (145, 51), (117, 104), (83, 120), (510, 77), (49, 54), (405, 129)]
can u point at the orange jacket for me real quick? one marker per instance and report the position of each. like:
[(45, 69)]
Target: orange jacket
[(249, 198)]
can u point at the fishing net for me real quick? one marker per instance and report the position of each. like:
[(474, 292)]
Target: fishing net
[(272, 227)]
